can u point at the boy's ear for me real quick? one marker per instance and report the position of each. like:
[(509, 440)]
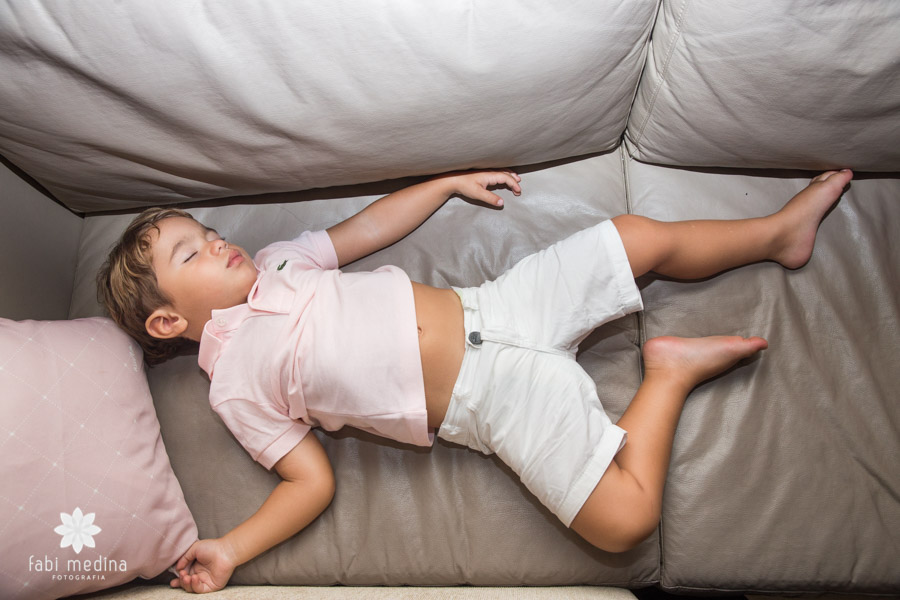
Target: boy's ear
[(164, 323)]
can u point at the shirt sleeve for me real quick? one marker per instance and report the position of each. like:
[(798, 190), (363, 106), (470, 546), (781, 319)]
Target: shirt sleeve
[(265, 432), (311, 247)]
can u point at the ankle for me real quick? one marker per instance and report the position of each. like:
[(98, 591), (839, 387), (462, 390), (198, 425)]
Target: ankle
[(780, 237), (673, 381)]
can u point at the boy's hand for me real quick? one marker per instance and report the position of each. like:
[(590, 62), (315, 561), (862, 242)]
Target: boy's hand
[(476, 184), (205, 567)]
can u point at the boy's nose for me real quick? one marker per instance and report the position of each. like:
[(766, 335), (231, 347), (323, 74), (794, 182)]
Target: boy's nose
[(217, 246)]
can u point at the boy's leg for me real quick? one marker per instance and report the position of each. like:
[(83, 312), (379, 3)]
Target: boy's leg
[(698, 249), (625, 506)]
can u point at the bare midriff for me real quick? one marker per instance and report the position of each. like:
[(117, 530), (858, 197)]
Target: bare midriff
[(442, 343)]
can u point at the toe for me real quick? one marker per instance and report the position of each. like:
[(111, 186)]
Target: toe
[(841, 177), (758, 343), (823, 176)]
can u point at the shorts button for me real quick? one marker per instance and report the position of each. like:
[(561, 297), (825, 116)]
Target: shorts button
[(475, 338)]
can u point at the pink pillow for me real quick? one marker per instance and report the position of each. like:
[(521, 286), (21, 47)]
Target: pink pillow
[(88, 499)]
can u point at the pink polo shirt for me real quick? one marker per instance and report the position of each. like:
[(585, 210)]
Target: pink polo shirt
[(315, 347)]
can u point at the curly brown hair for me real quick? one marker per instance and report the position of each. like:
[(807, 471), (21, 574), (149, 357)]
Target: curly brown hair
[(128, 289)]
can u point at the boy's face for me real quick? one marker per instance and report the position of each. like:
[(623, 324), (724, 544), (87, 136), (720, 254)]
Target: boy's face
[(198, 270)]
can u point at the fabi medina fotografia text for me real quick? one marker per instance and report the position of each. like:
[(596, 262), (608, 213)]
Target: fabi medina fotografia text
[(77, 531)]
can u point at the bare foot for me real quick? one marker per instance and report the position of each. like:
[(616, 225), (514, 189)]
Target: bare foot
[(689, 361), (801, 216)]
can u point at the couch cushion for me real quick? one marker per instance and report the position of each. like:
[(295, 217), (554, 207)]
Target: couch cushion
[(784, 472), (89, 499), (405, 515), (802, 84), (128, 104)]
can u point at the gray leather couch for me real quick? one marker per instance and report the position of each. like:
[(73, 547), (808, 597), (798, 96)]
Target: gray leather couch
[(785, 475)]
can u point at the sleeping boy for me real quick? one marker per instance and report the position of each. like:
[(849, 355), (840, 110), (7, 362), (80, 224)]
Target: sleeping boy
[(290, 342)]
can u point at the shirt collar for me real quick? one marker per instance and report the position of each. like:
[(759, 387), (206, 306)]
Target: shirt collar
[(217, 331), (223, 323)]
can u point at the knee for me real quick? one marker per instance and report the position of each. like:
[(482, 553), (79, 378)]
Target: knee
[(621, 531), (632, 534), (626, 537), (628, 225), (644, 242)]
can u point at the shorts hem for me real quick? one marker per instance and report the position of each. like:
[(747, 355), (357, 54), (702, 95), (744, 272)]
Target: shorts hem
[(612, 441), (629, 294)]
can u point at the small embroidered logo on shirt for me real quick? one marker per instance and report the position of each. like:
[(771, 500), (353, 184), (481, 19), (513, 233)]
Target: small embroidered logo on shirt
[(281, 266)]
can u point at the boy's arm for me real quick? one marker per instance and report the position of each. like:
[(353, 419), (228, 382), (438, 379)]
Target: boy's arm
[(306, 490), (393, 217)]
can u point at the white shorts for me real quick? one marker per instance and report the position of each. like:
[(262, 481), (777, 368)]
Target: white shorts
[(520, 393)]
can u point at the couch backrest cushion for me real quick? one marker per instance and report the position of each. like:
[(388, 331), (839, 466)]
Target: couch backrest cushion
[(801, 84), (119, 105)]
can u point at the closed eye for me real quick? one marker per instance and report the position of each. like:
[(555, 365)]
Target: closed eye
[(193, 254)]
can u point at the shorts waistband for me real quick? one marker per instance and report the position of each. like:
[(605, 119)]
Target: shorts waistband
[(456, 422), (476, 332), (468, 297)]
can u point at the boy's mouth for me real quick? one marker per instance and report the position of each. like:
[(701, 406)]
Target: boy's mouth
[(235, 258)]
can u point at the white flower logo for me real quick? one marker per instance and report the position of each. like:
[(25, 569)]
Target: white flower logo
[(78, 530)]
